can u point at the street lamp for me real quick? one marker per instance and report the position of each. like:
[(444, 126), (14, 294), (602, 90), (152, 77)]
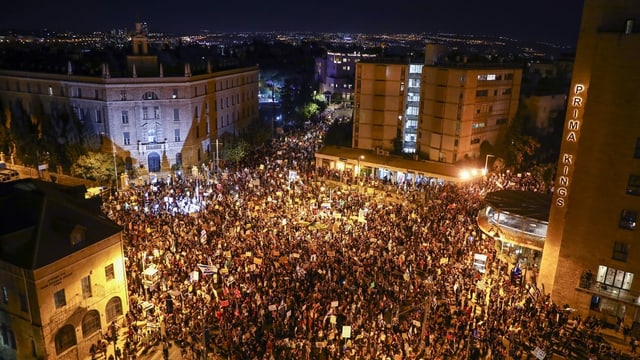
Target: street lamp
[(486, 161), (115, 164), (361, 157)]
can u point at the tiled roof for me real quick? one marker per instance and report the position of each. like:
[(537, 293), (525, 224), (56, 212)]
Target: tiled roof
[(44, 222)]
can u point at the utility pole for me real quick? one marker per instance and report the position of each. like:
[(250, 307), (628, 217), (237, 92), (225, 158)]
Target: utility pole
[(217, 157), (115, 163)]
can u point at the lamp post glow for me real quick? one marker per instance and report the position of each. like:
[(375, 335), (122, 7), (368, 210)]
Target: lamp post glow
[(486, 161), (358, 171)]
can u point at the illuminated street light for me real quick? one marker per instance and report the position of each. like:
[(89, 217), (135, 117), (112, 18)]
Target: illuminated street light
[(486, 161), (358, 170)]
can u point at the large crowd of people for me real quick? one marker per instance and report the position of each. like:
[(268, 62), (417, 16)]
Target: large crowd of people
[(273, 259)]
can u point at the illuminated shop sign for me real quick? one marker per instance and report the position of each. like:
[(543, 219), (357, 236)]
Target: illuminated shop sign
[(572, 135)]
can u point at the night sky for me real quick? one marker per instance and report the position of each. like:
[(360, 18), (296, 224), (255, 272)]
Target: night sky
[(555, 21)]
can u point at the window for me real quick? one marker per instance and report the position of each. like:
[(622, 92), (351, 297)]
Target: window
[(475, 141), (508, 76), (150, 95), (126, 139), (123, 95), (86, 287), (109, 274), (176, 133), (176, 114), (620, 251), (197, 112), (5, 295), (633, 186), (98, 116), (65, 338), (628, 219), (50, 91), (59, 298), (79, 92), (145, 113), (481, 93), (90, 323), (506, 91), (78, 234), (125, 117), (113, 309), (501, 121), (8, 337), (23, 303), (156, 112), (477, 125), (174, 94), (412, 110), (179, 159), (636, 153), (614, 277)]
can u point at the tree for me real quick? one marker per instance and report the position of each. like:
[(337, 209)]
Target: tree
[(95, 166), (235, 152), (310, 110)]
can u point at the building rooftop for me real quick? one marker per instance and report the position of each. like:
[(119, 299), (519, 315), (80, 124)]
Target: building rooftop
[(448, 172), (528, 204), (44, 222)]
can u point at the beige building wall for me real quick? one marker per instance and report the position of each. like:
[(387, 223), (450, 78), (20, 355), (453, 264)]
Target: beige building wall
[(463, 107), (107, 289), (600, 154), (138, 114), (379, 105), (544, 108)]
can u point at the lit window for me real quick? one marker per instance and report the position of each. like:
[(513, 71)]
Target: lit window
[(628, 219), (491, 77), (633, 186), (608, 276), (150, 95)]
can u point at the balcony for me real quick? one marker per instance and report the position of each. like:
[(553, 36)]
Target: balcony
[(608, 291)]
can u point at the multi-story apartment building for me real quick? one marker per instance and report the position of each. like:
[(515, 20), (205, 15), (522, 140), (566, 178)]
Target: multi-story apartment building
[(155, 121), (336, 74), (464, 105), (590, 255), (441, 111), (543, 109), (62, 272)]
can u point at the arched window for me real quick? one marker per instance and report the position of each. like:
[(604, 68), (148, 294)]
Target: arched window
[(65, 338), (150, 95), (90, 323), (114, 309)]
